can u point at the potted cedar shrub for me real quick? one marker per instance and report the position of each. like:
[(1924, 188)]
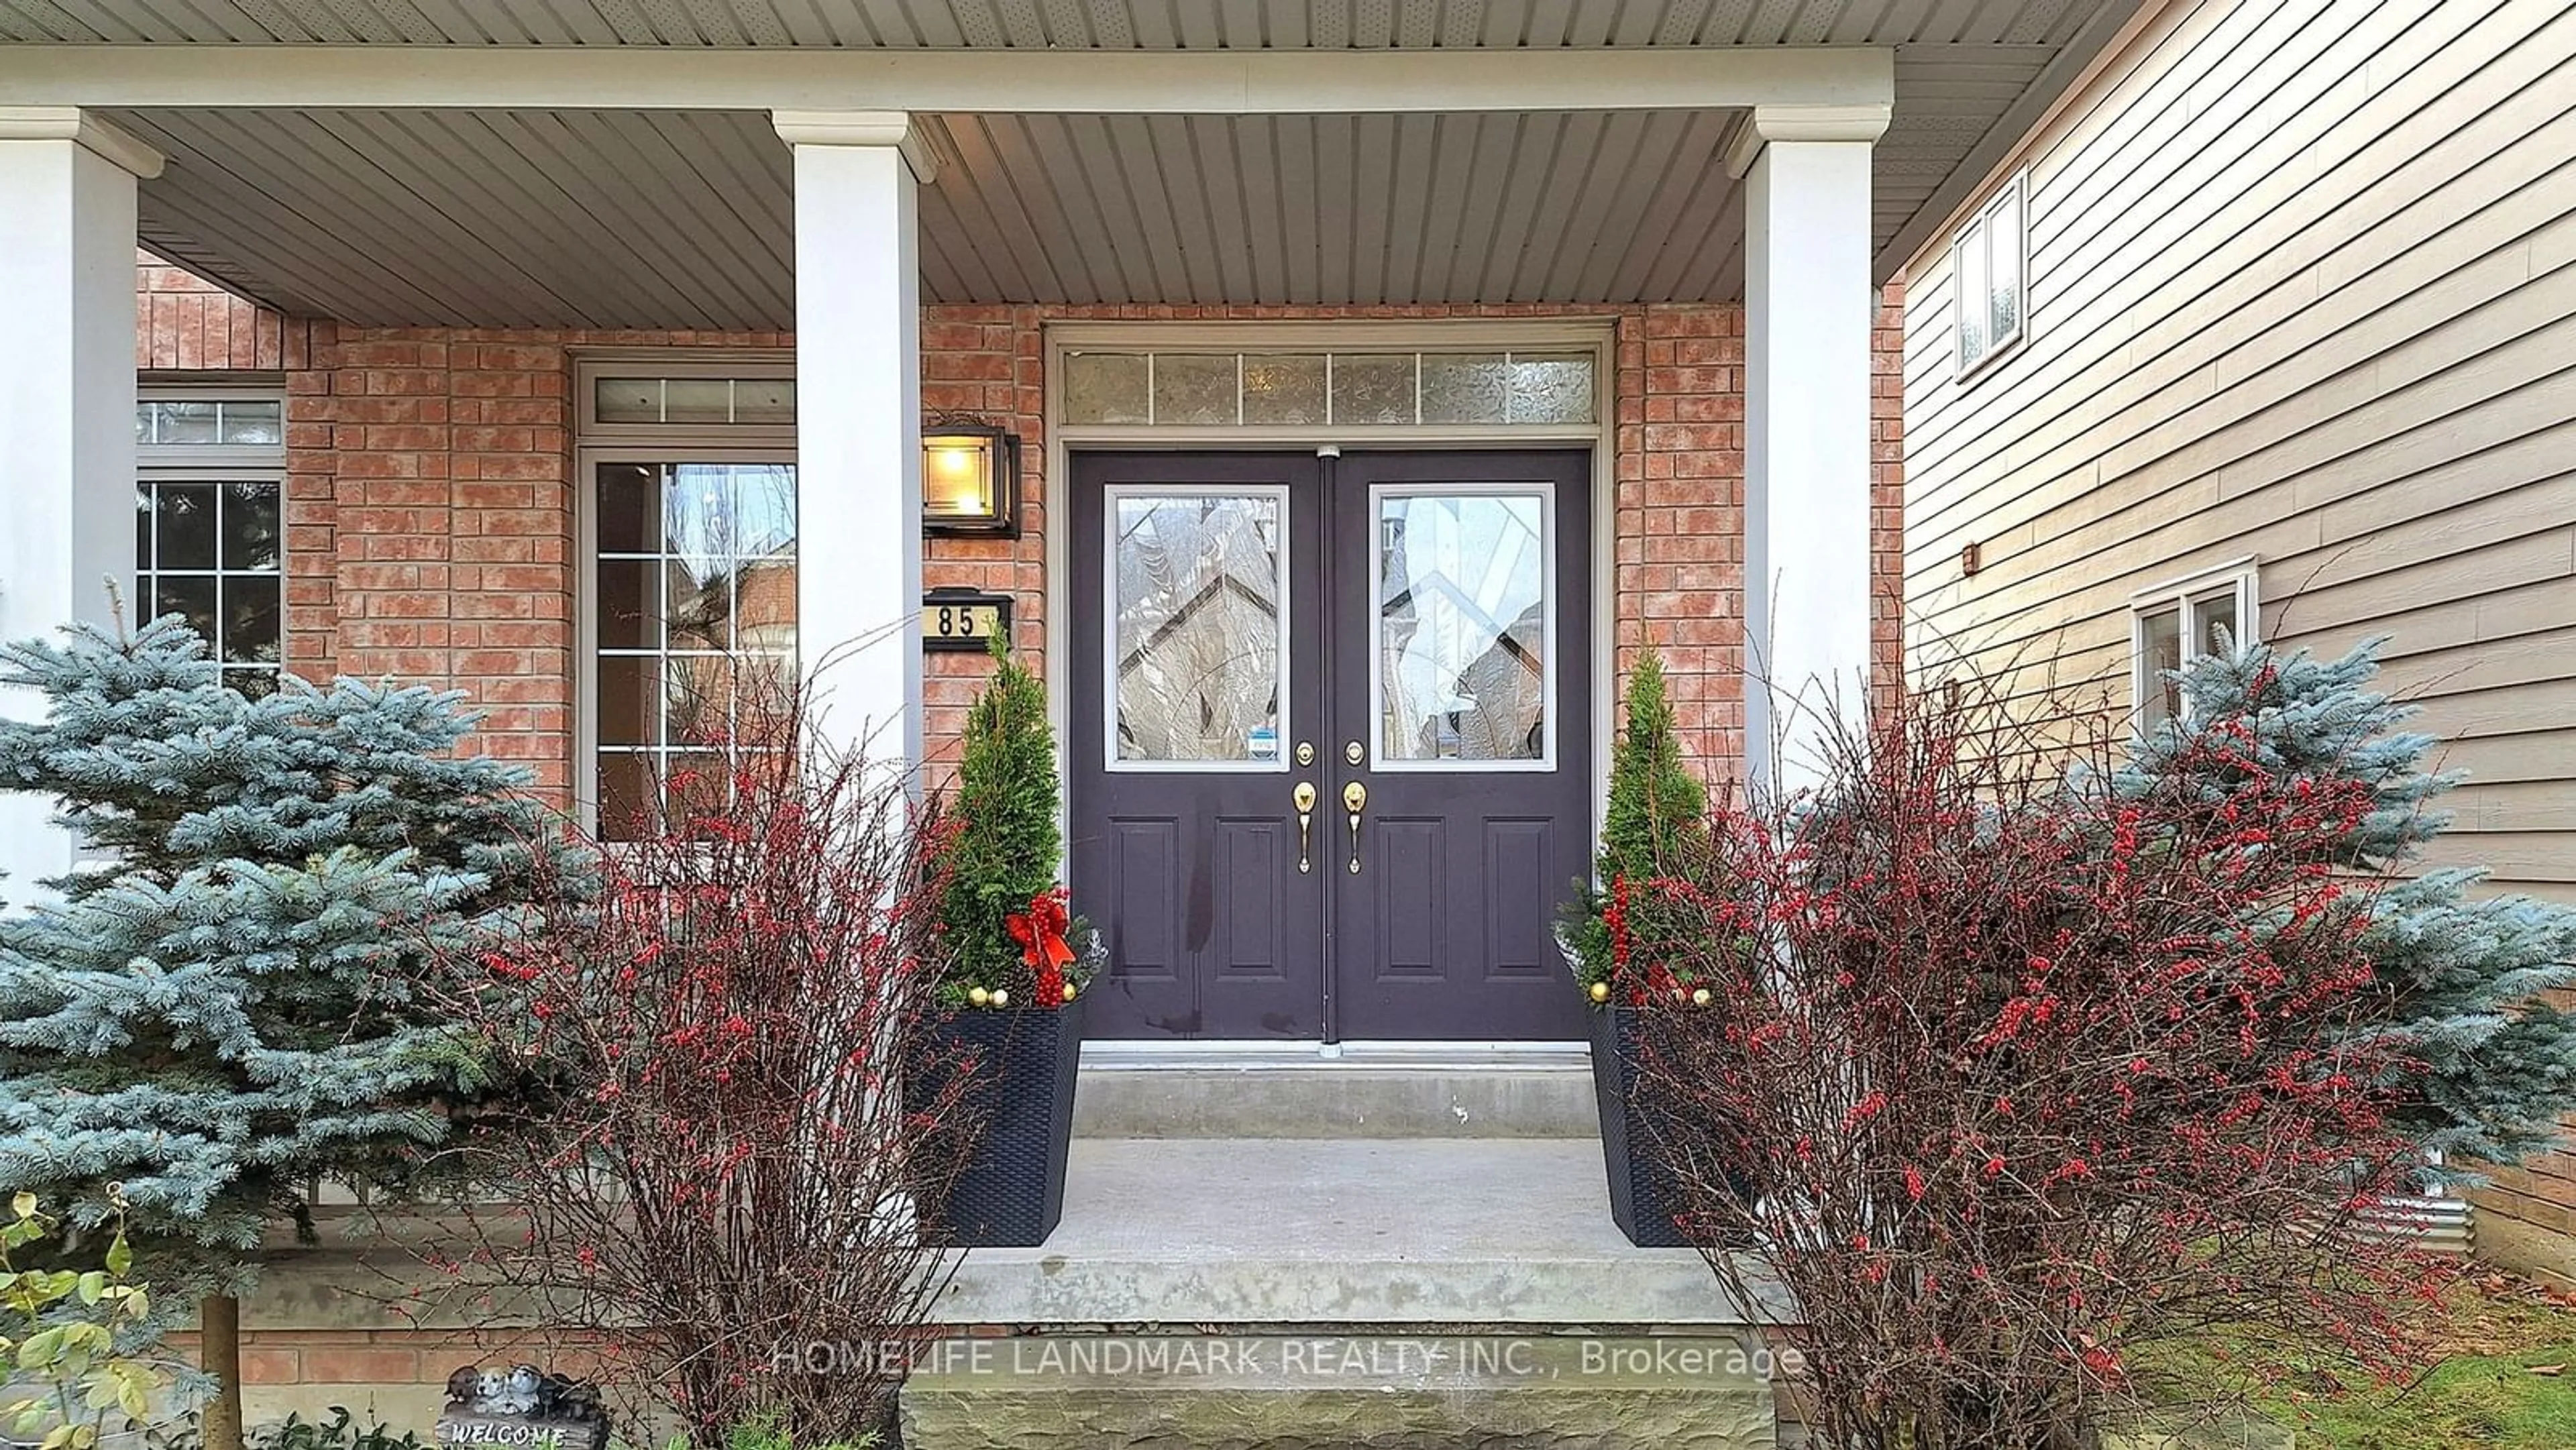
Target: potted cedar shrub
[(1657, 808), (1014, 963)]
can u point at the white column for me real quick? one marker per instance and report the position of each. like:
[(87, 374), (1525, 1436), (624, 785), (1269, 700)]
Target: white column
[(67, 237), (858, 421), (1808, 311)]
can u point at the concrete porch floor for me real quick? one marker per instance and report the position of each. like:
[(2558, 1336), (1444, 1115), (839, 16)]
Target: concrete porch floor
[(1326, 1231)]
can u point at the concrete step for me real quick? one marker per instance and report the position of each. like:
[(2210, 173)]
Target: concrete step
[(1341, 1392), (1299, 1232), (1230, 1091)]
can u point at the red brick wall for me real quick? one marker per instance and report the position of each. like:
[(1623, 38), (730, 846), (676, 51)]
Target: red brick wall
[(1679, 517), (447, 459), (184, 323), (430, 499), (1887, 485), (990, 362)]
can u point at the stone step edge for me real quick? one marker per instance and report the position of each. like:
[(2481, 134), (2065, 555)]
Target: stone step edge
[(1335, 1102)]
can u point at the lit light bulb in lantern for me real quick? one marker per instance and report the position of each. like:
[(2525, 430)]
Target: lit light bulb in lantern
[(959, 481)]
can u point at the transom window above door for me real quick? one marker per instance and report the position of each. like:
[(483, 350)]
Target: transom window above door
[(1175, 388)]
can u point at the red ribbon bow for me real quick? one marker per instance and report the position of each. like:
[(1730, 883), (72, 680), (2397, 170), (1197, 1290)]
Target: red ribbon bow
[(1040, 931)]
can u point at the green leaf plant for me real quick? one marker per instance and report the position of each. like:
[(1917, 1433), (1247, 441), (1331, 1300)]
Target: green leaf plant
[(72, 1340)]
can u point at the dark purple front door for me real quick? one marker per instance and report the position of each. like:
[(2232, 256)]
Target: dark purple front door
[(1264, 640)]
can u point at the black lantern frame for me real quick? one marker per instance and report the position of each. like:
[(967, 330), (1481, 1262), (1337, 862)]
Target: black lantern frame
[(1001, 450)]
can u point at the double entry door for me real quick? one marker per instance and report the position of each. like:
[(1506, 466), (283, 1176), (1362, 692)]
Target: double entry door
[(1331, 740)]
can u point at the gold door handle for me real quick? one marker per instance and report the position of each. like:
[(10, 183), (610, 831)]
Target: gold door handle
[(1354, 800), (1305, 798)]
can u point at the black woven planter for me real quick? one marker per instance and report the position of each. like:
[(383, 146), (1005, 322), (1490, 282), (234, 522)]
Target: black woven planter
[(1010, 1192), (1645, 1198)]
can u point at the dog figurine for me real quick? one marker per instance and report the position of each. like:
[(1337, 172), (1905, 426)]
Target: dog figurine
[(519, 1391), (463, 1387)]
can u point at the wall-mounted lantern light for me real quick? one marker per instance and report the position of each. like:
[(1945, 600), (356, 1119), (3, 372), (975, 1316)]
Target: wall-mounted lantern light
[(970, 480)]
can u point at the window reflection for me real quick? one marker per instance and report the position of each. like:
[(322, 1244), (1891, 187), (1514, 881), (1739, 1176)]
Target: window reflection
[(1462, 627), (695, 589), (1195, 590)]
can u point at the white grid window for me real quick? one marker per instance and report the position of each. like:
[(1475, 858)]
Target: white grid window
[(2173, 624), (210, 529), (1988, 262), (695, 592)]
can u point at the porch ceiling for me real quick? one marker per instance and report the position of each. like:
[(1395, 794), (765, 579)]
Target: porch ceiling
[(685, 218), (1056, 24), (677, 217)]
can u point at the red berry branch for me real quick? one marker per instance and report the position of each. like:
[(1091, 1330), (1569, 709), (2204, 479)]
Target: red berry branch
[(2011, 1087)]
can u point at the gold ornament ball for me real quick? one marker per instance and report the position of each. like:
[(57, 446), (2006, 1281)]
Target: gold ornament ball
[(1699, 997), (978, 996), (1001, 997), (1068, 991), (1601, 991)]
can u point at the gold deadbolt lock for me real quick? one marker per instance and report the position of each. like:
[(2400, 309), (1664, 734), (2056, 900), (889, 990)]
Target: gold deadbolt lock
[(1354, 753)]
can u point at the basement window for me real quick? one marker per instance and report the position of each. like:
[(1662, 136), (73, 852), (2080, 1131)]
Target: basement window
[(2173, 624), (1988, 267)]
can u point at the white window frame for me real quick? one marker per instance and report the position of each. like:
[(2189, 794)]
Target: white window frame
[(2237, 581), (591, 365), (217, 463), (1979, 232), (595, 443)]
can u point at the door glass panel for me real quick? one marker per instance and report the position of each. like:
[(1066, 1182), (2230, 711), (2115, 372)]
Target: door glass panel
[(1197, 583), (1462, 672)]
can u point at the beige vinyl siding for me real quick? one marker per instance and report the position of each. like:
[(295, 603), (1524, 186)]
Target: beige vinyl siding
[(2302, 286)]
